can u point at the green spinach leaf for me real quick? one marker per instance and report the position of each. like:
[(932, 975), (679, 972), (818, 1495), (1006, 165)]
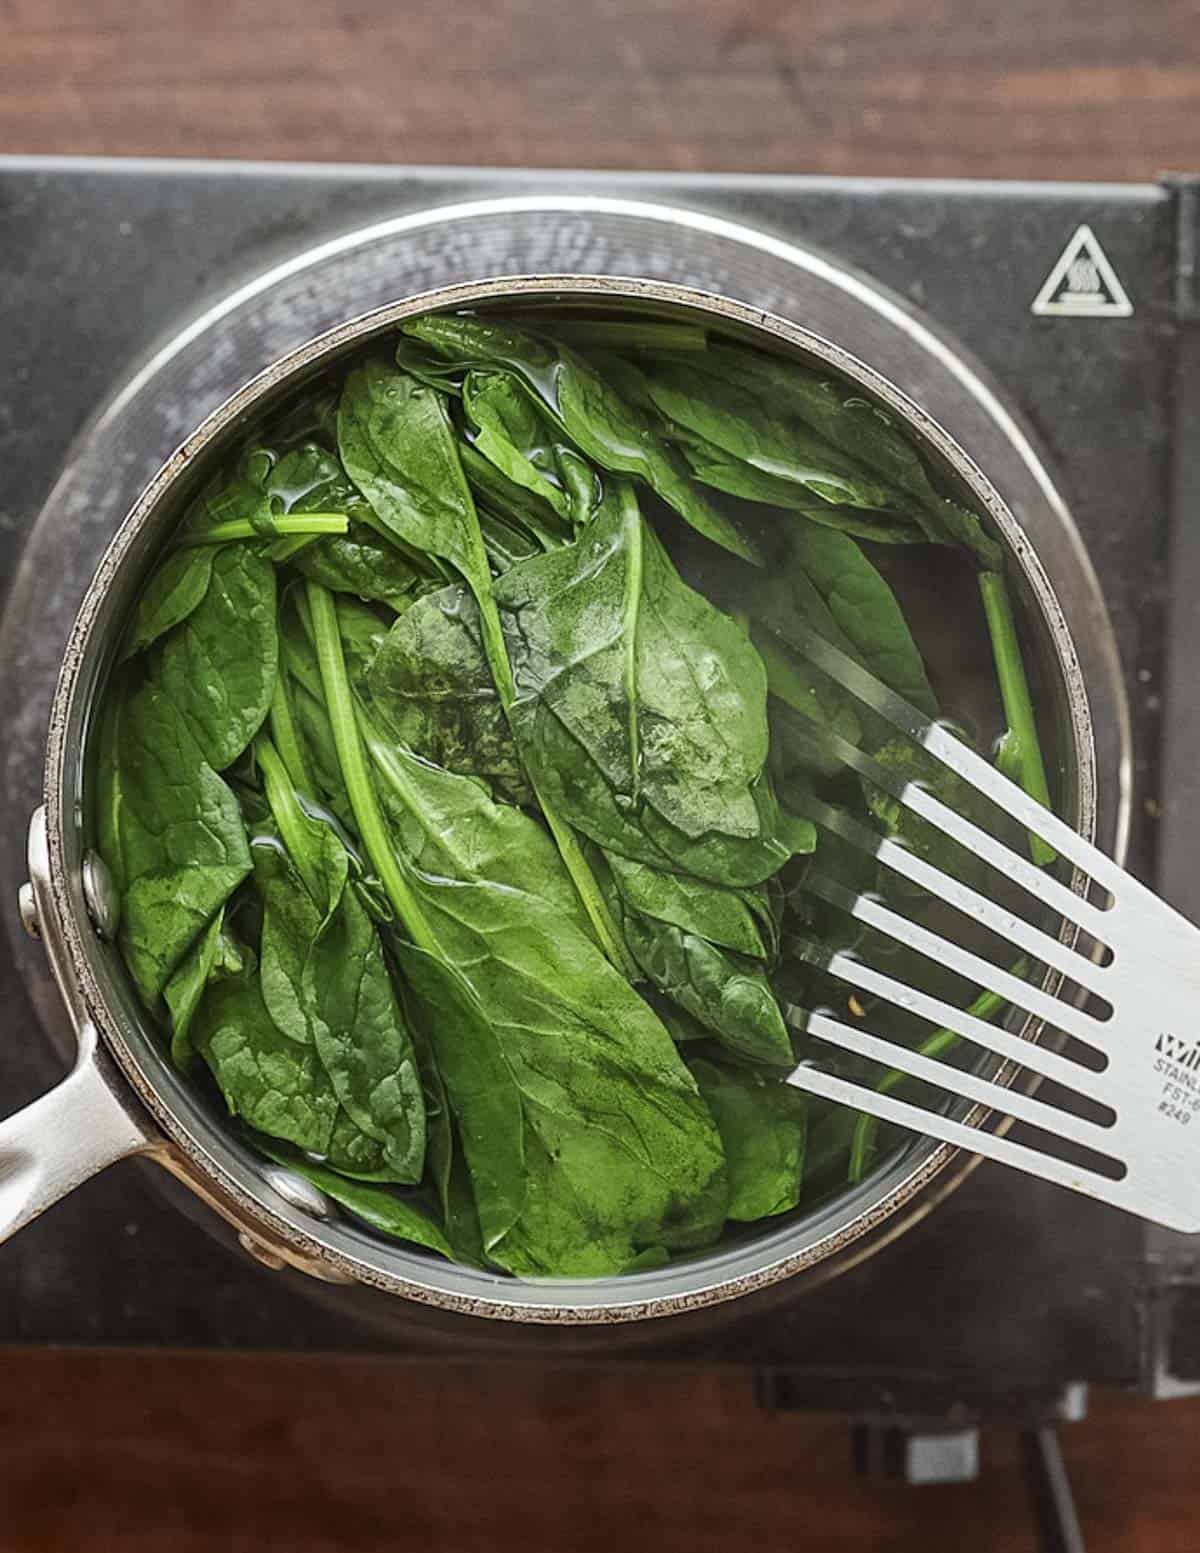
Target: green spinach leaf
[(218, 667), (215, 953), (640, 708), (598, 1074), (177, 588), (525, 510), (608, 429), (432, 690), (510, 433), (731, 918), (477, 1082), (360, 562), (762, 1123), (176, 840), (277, 1085), (861, 431), (397, 1217), (361, 1036), (750, 424), (398, 447), (727, 993)]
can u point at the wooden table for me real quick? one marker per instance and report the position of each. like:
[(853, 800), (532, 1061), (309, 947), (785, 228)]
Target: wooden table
[(191, 1453), (1105, 89)]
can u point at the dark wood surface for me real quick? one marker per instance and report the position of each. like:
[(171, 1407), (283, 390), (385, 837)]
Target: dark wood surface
[(1068, 89), (183, 1453), (190, 1453)]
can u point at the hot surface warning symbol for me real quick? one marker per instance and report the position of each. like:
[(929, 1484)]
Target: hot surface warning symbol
[(1083, 284)]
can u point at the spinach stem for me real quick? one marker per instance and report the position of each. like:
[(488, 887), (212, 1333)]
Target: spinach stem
[(287, 739), (289, 816), (364, 801), (589, 891), (612, 335), (1021, 752), (986, 1006), (313, 523), (284, 549), (631, 522)]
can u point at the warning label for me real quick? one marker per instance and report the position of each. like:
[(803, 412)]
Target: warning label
[(1083, 284)]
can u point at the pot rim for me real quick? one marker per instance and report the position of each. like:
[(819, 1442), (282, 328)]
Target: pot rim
[(346, 1252)]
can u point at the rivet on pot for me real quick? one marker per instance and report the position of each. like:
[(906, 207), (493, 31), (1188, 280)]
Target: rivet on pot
[(260, 1251), (325, 1273), (27, 906), (100, 895), (296, 1190)]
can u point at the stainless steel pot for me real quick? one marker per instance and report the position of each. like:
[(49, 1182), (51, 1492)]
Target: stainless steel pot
[(122, 1097)]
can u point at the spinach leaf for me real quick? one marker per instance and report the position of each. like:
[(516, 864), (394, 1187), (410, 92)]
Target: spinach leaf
[(860, 431), (603, 1094), (398, 448), (325, 981), (176, 838), (177, 588), (218, 667), (522, 508), (842, 596), (431, 688), (640, 708), (731, 918), (701, 947), (594, 1202), (713, 466), (751, 424), (352, 1152), (727, 993), (833, 588), (309, 479), (504, 542), (478, 1084), (762, 1123), (389, 1213), (361, 1036), (107, 785), (215, 953), (242, 497), (290, 924), (608, 429), (359, 562), (510, 433), (446, 1164), (363, 633), (450, 830), (313, 723), (277, 1085), (316, 853)]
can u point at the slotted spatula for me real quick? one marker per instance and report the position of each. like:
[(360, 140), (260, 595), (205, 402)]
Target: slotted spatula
[(1137, 1145)]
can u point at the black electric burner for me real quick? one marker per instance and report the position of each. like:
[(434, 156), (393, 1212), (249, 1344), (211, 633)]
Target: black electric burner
[(1079, 302)]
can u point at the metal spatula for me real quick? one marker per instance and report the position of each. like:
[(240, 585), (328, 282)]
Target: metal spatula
[(1137, 1142)]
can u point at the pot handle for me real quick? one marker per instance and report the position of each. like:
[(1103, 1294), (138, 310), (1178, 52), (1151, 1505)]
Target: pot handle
[(91, 1119), (65, 1136)]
